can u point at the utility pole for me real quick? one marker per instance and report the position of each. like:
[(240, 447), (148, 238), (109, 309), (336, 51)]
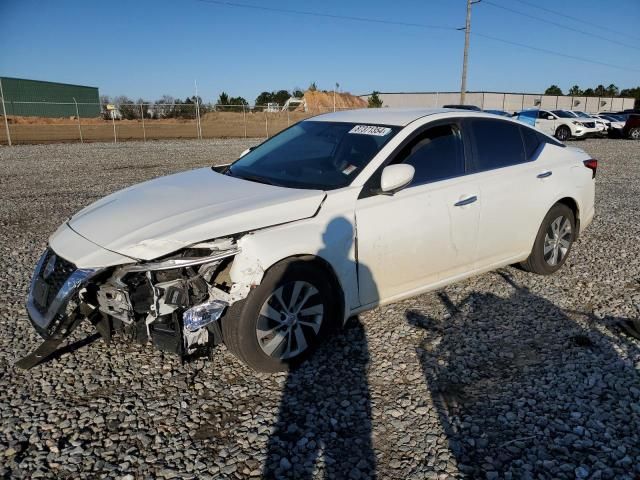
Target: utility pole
[(467, 32)]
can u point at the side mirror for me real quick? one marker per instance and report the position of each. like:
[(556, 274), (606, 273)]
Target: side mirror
[(246, 151), (395, 178), (550, 117)]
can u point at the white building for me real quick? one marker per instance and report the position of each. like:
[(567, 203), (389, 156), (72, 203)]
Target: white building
[(510, 102)]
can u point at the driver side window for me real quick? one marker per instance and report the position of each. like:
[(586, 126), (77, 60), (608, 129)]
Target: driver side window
[(436, 154)]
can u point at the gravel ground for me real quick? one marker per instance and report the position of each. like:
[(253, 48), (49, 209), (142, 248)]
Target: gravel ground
[(507, 375)]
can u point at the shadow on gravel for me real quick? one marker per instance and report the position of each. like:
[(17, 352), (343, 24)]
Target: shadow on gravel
[(521, 389), (324, 422)]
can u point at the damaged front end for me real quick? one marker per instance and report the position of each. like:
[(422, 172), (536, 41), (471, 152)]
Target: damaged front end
[(174, 302)]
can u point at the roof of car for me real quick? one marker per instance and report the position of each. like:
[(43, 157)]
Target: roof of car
[(381, 116)]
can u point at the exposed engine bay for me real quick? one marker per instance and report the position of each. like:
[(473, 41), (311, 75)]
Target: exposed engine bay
[(173, 302)]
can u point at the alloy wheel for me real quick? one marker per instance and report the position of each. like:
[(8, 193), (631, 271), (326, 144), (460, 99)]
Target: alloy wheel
[(563, 134), (557, 240), (289, 320)]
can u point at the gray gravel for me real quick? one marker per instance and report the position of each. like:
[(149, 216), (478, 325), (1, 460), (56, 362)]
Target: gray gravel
[(504, 376)]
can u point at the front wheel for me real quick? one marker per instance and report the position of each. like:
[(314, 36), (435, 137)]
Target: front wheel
[(283, 319), (634, 133), (563, 133), (553, 242)]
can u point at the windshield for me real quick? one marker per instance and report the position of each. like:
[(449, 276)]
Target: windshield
[(582, 114), (316, 155), (563, 114)]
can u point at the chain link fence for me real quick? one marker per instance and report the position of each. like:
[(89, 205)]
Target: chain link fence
[(30, 122)]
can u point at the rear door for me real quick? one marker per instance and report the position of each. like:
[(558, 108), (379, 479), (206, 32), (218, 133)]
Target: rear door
[(515, 186)]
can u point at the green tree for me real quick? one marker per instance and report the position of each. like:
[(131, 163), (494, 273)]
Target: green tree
[(279, 97), (613, 90), (238, 104), (374, 100), (589, 92), (223, 100), (313, 87), (575, 91), (600, 91), (553, 90), (632, 92), (264, 98)]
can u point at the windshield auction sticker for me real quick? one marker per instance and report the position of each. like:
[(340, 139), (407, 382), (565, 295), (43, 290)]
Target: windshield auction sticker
[(370, 130)]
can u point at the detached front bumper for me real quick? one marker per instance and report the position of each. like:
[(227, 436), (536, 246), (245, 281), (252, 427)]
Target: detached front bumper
[(53, 290)]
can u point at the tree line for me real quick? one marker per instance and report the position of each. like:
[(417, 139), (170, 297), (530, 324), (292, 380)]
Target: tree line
[(171, 107), (600, 91)]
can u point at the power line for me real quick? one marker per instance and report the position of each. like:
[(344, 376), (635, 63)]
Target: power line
[(576, 19), (560, 25), (553, 52), (326, 15), (407, 24)]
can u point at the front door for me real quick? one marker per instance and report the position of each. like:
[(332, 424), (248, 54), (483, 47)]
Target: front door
[(427, 231), (546, 122)]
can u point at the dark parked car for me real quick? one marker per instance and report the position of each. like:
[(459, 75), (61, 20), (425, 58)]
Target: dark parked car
[(463, 107), (632, 127), (502, 113)]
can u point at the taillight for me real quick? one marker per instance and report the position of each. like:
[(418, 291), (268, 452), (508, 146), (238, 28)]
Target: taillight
[(592, 165)]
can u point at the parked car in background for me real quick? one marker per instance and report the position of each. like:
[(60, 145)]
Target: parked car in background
[(601, 125), (464, 107), (632, 127), (502, 113), (615, 123), (558, 123)]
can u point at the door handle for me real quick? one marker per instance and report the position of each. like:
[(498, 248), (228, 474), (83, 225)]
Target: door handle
[(545, 174), (465, 201)]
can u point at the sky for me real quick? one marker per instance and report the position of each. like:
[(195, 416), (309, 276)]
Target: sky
[(145, 49)]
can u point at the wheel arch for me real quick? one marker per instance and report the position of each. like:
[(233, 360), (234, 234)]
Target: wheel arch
[(573, 205), (328, 270)]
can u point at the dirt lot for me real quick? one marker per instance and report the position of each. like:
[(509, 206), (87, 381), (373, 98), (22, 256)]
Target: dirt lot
[(504, 376), (27, 130)]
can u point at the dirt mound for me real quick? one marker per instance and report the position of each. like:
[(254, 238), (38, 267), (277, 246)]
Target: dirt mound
[(323, 101)]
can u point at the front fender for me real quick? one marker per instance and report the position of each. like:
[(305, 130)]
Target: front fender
[(329, 237)]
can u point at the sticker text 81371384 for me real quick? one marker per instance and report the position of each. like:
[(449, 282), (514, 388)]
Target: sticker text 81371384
[(370, 130)]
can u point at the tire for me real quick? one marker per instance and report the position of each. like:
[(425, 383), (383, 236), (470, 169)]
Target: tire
[(634, 133), (563, 133), (548, 255), (256, 316)]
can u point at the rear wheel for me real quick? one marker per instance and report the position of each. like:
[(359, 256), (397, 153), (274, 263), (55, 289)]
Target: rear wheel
[(553, 242), (563, 133), (283, 319), (634, 133)]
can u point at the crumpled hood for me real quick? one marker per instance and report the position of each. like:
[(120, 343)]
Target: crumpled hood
[(158, 217)]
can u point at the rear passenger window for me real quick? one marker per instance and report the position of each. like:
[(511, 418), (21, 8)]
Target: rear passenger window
[(532, 141), (497, 144), (436, 154)]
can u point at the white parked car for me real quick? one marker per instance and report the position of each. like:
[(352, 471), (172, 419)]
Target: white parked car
[(616, 123), (601, 124), (559, 123), (336, 215)]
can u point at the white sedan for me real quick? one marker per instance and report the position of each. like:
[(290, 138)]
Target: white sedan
[(336, 215)]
